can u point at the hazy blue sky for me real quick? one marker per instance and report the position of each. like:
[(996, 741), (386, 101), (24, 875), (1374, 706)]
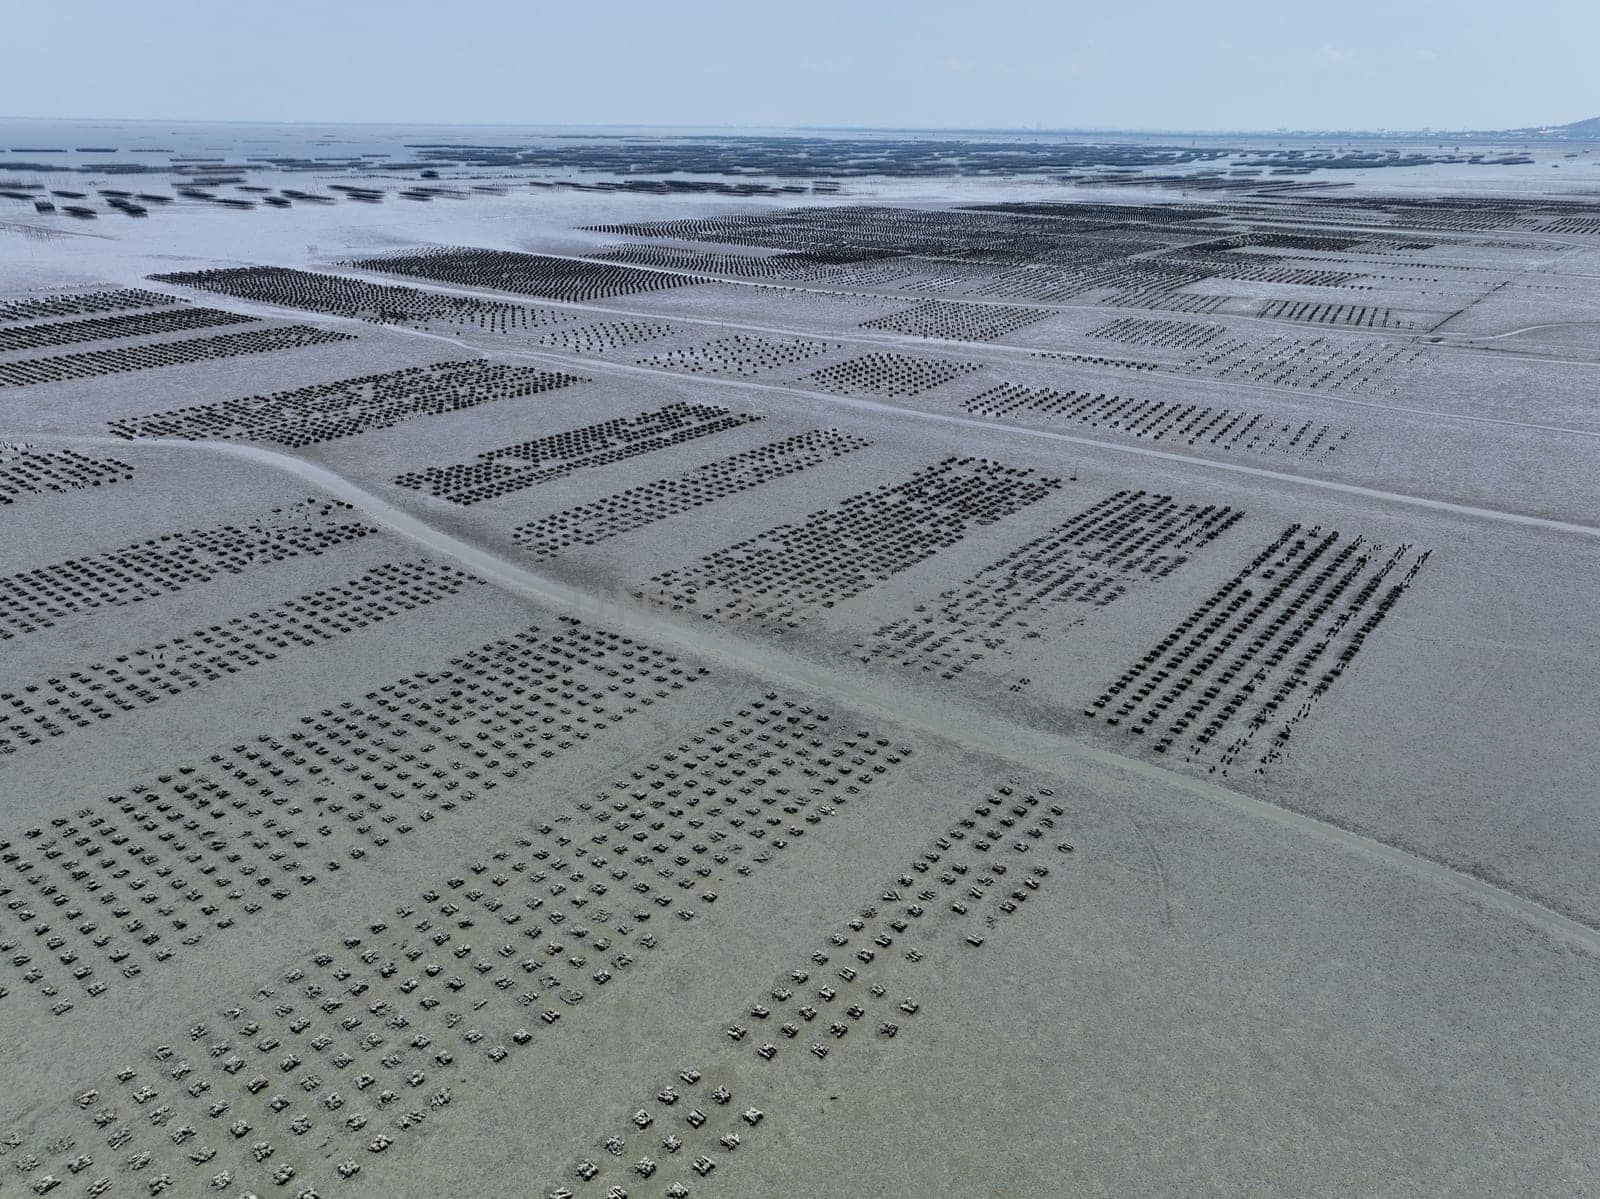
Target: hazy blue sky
[(1159, 64)]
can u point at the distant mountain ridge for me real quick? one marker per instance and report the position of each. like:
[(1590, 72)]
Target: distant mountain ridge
[(1585, 129)]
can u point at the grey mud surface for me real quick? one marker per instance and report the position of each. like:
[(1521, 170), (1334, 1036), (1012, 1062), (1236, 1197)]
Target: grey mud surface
[(355, 841)]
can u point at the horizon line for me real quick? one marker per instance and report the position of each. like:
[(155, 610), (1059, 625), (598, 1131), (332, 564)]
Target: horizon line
[(828, 128)]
